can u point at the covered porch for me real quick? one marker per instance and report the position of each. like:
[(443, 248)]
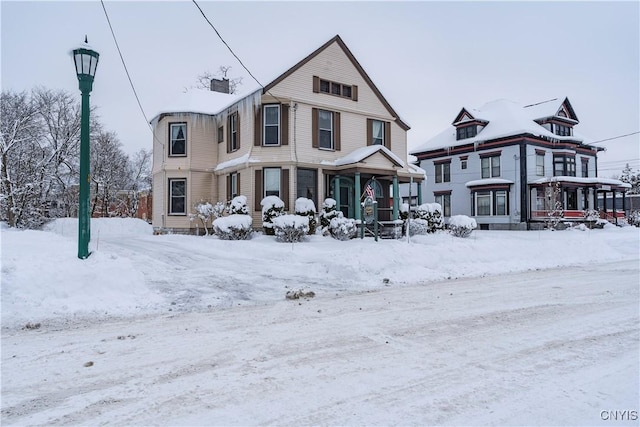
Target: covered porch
[(575, 199)]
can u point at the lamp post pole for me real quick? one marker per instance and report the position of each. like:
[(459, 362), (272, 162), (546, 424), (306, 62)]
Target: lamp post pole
[(84, 219), (86, 61)]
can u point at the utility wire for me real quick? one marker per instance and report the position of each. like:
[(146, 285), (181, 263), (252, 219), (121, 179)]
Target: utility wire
[(614, 137), (225, 43), (125, 66)]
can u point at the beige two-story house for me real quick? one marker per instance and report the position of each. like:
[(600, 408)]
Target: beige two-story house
[(321, 129)]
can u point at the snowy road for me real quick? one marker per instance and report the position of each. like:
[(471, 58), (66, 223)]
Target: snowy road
[(553, 347)]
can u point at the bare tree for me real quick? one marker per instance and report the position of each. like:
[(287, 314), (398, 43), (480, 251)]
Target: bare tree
[(20, 154)]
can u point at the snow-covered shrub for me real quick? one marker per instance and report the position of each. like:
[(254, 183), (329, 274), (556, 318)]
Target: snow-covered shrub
[(238, 206), (272, 207), (233, 227), (328, 213), (461, 225), (432, 213), (418, 226), (306, 207), (207, 213), (342, 228), (290, 228), (634, 218)]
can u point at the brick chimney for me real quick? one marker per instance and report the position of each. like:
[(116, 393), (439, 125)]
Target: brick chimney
[(221, 86)]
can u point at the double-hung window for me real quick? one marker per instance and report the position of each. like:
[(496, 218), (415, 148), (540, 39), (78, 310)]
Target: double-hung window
[(325, 129), (490, 166), (177, 196), (585, 168), (377, 132), (177, 139), (443, 172), (271, 181), (234, 191), (539, 164), (271, 131), (234, 133)]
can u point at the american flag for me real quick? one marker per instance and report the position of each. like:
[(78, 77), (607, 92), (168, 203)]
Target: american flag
[(370, 191)]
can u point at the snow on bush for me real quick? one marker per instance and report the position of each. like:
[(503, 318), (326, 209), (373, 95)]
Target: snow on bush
[(306, 207), (233, 227), (432, 213), (634, 218), (328, 213), (238, 206), (272, 207), (207, 213), (461, 225), (290, 228), (342, 228), (418, 227)]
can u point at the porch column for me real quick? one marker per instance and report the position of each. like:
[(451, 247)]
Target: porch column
[(419, 194), (624, 203), (595, 198), (396, 198), (336, 191), (613, 207), (357, 197)]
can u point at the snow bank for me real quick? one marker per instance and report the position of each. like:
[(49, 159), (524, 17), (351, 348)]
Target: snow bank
[(132, 272)]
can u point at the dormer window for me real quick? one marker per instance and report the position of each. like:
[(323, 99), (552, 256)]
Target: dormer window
[(561, 130), (466, 132)]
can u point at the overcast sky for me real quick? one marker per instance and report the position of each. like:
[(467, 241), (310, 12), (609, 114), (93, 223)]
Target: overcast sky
[(429, 59)]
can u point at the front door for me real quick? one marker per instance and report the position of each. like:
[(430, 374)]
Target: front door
[(346, 196)]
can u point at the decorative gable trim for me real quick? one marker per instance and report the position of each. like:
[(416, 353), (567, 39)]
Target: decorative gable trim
[(567, 110), (355, 63)]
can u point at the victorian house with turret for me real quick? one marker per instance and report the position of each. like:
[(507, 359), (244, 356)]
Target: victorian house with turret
[(321, 129)]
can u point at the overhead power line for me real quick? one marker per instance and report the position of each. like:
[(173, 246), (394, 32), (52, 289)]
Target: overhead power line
[(615, 137), (225, 43), (125, 65)]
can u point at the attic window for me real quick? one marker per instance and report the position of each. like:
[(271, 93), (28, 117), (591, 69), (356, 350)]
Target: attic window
[(466, 132), (335, 88)]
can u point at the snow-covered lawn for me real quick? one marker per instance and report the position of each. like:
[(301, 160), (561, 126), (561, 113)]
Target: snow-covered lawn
[(500, 328)]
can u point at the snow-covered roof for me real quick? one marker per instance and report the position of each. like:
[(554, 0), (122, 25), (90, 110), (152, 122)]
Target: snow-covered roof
[(505, 118), (200, 101), (544, 109), (244, 159), (417, 169), (488, 181), (580, 180), (362, 153)]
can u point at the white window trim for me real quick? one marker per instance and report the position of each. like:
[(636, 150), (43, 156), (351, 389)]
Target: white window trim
[(171, 126), (264, 180)]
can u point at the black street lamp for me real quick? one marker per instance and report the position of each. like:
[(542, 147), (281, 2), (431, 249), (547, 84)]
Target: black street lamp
[(86, 62)]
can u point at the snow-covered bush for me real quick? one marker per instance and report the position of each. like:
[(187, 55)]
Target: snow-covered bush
[(306, 207), (290, 228), (342, 228), (238, 206), (461, 225), (418, 226), (328, 213), (207, 213), (272, 207), (233, 227), (432, 213), (634, 218)]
